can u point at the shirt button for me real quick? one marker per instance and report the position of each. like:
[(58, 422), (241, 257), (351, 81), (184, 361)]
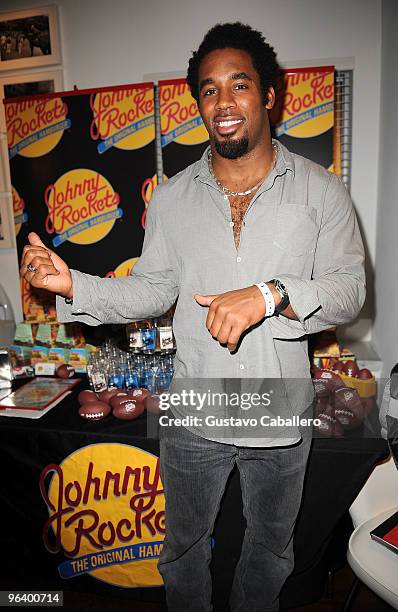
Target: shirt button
[(242, 367), (231, 223), (79, 310), (239, 259)]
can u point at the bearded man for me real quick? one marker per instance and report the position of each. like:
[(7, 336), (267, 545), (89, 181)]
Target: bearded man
[(261, 247)]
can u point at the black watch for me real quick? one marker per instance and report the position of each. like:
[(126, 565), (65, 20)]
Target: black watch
[(285, 301)]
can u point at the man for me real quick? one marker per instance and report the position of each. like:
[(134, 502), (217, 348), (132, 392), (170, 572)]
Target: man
[(261, 247)]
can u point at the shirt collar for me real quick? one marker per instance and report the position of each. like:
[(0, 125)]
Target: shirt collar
[(284, 162)]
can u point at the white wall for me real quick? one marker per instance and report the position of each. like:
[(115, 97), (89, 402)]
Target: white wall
[(386, 322), (107, 43)]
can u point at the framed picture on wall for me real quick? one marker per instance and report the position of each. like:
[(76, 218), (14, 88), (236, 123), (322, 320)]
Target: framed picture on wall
[(29, 38), (30, 84)]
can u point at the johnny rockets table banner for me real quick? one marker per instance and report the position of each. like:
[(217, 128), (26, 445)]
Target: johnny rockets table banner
[(88, 512), (106, 514), (83, 168), (303, 119)]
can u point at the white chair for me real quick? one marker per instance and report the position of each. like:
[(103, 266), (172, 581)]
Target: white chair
[(371, 562)]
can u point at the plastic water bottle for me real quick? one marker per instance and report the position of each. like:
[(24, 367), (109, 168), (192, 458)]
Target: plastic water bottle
[(131, 376), (162, 379), (115, 376)]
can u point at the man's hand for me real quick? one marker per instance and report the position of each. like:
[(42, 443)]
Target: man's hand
[(44, 269), (232, 313)]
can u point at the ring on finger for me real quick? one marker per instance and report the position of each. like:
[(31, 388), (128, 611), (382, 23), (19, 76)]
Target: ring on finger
[(31, 268)]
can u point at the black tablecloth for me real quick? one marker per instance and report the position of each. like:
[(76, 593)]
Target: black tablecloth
[(336, 472)]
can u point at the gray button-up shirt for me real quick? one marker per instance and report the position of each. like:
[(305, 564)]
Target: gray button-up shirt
[(300, 227)]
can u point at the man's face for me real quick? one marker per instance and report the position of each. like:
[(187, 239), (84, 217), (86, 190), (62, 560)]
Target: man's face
[(230, 102)]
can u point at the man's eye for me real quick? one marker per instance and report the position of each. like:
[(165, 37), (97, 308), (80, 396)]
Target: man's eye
[(241, 86), (209, 92)]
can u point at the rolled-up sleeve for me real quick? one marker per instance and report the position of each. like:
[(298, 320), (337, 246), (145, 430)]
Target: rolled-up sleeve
[(336, 291), (149, 291)]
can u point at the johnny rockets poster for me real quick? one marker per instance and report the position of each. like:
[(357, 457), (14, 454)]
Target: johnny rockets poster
[(303, 119), (303, 116), (83, 168)]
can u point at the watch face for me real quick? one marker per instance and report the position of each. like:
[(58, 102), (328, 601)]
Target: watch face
[(280, 288), (282, 291)]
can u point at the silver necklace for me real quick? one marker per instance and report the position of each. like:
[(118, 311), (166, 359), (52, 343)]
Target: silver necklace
[(227, 192)]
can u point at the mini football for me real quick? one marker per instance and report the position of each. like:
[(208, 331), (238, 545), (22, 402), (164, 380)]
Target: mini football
[(107, 394), (321, 406), (65, 371), (87, 396), (326, 374), (332, 379), (351, 368), (139, 394), (321, 388), (329, 426), (117, 398), (128, 409), (338, 367), (365, 374), (152, 404), (347, 397), (94, 411), (348, 408)]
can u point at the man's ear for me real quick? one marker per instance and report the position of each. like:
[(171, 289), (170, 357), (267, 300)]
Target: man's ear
[(270, 98)]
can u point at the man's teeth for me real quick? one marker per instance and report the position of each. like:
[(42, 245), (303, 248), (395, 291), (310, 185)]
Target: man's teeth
[(229, 123)]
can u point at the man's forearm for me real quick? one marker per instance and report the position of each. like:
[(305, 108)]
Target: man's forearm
[(115, 300)]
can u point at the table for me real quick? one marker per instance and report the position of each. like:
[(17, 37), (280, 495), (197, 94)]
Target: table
[(375, 565), (337, 470)]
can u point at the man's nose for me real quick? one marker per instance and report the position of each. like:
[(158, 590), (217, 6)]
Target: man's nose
[(225, 99)]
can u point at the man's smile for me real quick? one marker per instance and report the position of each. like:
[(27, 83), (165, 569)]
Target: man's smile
[(227, 126)]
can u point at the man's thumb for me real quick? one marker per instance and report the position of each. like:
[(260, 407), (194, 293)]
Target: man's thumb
[(34, 240), (204, 300)]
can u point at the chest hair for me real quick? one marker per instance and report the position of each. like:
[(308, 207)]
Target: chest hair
[(239, 206)]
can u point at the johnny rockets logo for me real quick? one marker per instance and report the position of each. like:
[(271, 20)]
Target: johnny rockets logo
[(82, 207), (123, 117), (18, 206), (180, 120), (307, 107), (106, 512), (35, 127)]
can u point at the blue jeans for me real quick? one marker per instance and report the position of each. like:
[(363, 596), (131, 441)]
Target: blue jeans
[(194, 473)]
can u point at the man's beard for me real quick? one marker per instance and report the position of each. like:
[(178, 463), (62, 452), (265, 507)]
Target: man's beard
[(232, 149)]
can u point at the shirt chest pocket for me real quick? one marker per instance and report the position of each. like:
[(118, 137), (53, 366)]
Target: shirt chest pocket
[(296, 231)]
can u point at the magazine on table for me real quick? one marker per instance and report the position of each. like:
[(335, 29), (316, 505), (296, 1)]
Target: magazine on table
[(38, 394), (387, 533)]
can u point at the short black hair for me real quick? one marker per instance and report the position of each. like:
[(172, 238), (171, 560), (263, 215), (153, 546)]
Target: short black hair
[(237, 36)]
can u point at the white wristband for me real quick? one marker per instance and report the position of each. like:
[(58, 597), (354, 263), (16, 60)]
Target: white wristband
[(268, 298)]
